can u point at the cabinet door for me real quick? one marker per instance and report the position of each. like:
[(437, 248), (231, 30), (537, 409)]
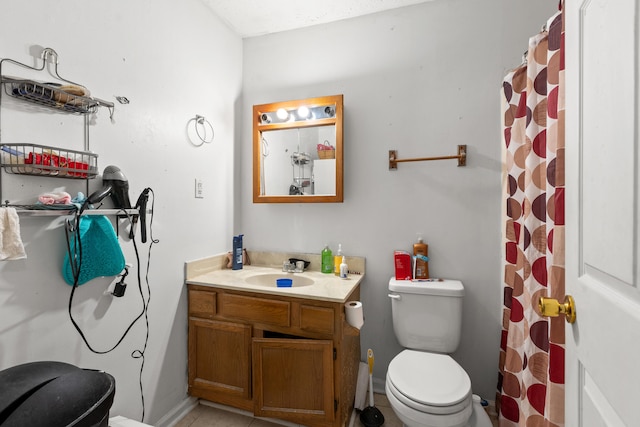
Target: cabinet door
[(220, 357), (293, 379)]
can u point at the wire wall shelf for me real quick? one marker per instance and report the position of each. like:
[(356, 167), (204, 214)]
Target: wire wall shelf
[(51, 95), (66, 210), (52, 162)]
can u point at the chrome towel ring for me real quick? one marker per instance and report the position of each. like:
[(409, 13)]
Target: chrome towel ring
[(203, 129)]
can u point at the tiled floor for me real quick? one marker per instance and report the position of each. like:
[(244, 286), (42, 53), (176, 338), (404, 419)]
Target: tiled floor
[(390, 418), (208, 416)]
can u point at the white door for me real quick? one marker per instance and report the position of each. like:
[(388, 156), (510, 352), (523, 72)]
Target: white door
[(603, 209)]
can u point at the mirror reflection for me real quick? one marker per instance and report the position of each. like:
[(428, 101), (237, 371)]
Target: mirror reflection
[(298, 151)]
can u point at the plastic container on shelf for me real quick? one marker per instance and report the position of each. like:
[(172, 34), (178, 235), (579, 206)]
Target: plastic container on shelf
[(43, 160)]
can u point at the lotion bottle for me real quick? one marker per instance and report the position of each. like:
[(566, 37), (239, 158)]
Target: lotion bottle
[(327, 260), (344, 269), (421, 265), (337, 260)]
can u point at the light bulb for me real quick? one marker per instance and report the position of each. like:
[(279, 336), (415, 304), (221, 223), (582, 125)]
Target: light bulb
[(303, 112), (282, 113)]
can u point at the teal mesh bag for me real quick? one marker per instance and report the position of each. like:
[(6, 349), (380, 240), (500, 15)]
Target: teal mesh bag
[(101, 252)]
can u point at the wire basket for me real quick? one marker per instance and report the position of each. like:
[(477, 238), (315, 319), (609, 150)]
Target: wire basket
[(50, 95), (42, 160)]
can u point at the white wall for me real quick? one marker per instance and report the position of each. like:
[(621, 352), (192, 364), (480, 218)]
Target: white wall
[(172, 60), (421, 80)]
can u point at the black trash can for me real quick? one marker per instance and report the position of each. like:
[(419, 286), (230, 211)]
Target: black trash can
[(55, 394)]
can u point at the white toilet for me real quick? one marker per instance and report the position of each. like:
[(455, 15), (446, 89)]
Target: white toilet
[(424, 385)]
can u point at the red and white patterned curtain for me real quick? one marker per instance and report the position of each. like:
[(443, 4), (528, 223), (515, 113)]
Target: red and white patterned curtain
[(531, 364)]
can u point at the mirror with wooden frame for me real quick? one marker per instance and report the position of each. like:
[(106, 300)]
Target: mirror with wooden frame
[(297, 151)]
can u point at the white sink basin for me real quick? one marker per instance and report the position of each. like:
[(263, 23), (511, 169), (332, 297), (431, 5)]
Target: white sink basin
[(269, 279)]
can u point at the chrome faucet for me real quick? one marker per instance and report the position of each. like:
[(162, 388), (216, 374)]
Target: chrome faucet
[(287, 267), (291, 267)]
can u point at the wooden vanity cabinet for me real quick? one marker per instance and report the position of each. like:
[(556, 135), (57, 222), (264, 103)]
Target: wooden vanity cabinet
[(276, 356)]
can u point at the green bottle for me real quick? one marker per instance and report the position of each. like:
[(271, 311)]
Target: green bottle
[(327, 260)]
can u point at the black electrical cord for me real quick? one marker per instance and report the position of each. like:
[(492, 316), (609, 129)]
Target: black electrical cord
[(77, 264), (139, 354), (75, 261)]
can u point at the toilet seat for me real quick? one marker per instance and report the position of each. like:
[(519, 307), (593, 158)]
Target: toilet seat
[(430, 383), (414, 418)]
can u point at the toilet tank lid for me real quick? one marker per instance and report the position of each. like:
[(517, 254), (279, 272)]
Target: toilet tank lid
[(445, 287)]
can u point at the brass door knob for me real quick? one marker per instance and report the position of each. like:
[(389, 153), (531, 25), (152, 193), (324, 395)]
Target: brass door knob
[(550, 307)]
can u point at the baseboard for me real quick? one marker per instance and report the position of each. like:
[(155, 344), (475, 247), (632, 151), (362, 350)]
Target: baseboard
[(120, 421), (178, 412)]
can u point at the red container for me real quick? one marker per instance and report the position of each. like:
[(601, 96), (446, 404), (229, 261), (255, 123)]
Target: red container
[(402, 261)]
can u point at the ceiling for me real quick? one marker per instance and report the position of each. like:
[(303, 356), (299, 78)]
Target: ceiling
[(251, 18)]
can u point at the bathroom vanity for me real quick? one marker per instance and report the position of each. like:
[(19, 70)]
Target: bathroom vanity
[(285, 353)]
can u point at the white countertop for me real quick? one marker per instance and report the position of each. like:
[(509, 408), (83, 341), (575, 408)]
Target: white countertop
[(326, 287)]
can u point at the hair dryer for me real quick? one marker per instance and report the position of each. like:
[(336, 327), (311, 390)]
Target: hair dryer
[(115, 184)]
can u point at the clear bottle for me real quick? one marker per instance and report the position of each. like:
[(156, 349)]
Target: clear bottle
[(420, 252), (337, 260), (327, 260)]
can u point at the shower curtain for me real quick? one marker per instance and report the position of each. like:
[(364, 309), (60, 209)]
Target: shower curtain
[(531, 364)]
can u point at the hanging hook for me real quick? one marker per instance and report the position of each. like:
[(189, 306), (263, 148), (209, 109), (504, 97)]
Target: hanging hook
[(48, 51)]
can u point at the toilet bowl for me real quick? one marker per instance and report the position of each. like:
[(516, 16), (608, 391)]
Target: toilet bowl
[(424, 385), (428, 389)]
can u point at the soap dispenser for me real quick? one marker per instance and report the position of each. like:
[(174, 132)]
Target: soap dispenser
[(327, 260), (420, 250), (337, 260)]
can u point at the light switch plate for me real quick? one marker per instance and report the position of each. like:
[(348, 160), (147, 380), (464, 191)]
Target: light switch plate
[(199, 189)]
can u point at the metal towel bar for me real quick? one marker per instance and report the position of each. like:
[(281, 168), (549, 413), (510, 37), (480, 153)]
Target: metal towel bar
[(462, 158)]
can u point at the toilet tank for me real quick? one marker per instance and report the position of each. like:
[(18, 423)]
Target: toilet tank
[(427, 315)]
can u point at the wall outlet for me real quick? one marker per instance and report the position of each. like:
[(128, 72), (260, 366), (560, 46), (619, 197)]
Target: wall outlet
[(199, 189)]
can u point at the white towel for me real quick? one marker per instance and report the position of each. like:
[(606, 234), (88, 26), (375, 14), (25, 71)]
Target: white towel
[(11, 246)]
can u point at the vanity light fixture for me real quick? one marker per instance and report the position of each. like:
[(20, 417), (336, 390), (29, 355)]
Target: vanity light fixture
[(301, 113)]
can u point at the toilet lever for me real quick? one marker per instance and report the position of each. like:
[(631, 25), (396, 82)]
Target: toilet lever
[(394, 296)]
